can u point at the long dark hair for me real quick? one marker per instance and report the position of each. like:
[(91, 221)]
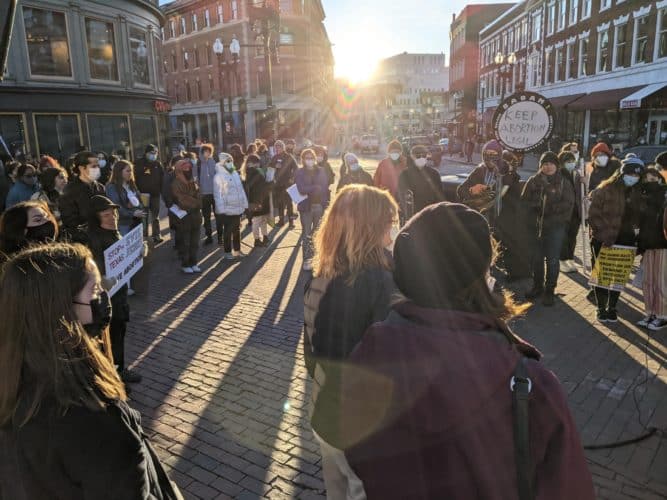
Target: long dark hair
[(117, 175), (48, 179), (45, 352), (13, 225)]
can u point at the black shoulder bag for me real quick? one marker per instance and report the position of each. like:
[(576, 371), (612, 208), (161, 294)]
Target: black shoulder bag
[(521, 386)]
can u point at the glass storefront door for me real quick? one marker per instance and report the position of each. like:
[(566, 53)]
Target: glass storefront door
[(657, 130)]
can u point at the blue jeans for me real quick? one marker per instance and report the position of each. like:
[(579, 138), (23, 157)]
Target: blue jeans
[(547, 249)]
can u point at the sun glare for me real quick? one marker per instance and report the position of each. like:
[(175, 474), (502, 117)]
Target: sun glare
[(357, 62)]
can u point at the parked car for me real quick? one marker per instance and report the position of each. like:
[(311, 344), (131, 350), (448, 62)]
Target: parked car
[(646, 153), (370, 143)]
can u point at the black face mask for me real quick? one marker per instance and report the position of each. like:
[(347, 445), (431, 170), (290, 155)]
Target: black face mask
[(41, 234), (187, 174), (101, 311)]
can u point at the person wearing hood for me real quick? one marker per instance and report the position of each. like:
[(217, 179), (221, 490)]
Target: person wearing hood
[(419, 185), (186, 195), (75, 200), (602, 165), (550, 199), (613, 219), (230, 203), (52, 182), (322, 159), (25, 187), (285, 166), (149, 174), (439, 368), (206, 170), (26, 223), (259, 199), (390, 168), (354, 173), (568, 168)]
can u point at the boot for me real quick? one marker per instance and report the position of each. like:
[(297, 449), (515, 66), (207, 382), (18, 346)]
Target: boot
[(548, 298), (534, 292)]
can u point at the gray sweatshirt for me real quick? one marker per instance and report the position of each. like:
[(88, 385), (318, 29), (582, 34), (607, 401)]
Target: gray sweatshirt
[(206, 176)]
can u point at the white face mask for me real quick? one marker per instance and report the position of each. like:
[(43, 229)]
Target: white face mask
[(602, 160), (570, 166), (421, 162), (394, 156), (309, 163), (320, 159), (576, 155), (94, 173), (103, 163)]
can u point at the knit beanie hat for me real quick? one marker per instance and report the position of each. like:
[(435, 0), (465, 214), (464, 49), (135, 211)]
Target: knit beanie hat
[(549, 157), (279, 143), (441, 251), (150, 148), (632, 165), (492, 146), (565, 157), (394, 145), (600, 148)]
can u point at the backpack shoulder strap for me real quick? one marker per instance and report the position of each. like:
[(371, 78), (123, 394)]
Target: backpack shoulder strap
[(521, 387)]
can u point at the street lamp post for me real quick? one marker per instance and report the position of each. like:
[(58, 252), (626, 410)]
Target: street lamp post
[(505, 66), (218, 50), (482, 89)]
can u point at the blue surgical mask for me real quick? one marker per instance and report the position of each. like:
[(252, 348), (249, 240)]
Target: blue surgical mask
[(354, 167), (194, 162), (570, 166), (151, 156), (630, 180)]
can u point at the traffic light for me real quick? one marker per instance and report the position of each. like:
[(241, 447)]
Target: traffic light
[(7, 11)]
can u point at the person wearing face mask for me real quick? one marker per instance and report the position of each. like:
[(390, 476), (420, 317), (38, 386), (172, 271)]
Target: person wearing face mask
[(425, 396), (259, 201), (312, 182), (652, 244), (186, 195), (419, 185), (549, 197), (62, 405), (52, 182), (105, 167), (75, 200), (568, 168), (230, 203), (149, 174), (103, 232), (354, 173), (286, 167), (26, 223), (390, 168), (613, 219), (206, 170), (236, 150), (25, 186), (602, 165), (322, 159)]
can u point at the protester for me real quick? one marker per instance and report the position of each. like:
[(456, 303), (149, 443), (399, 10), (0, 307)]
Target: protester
[(24, 224), (263, 153), (322, 159), (652, 244), (25, 186), (150, 175), (570, 147), (105, 167), (613, 218), (602, 165), (67, 431), (259, 202), (290, 147), (285, 166), (168, 197), (469, 149), (230, 203), (236, 150), (354, 173), (75, 200), (412, 390), (351, 289), (122, 190), (7, 180), (389, 169), (251, 149), (206, 170), (313, 183), (568, 169), (52, 181), (186, 195), (550, 198), (420, 183), (45, 162)]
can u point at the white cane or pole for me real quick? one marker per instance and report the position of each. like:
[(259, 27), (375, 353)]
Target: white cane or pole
[(584, 214)]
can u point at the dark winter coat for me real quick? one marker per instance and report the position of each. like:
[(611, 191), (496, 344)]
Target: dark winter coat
[(600, 174), (258, 191), (425, 184), (608, 210), (75, 207), (81, 455), (651, 235), (576, 181), (149, 176), (286, 167), (125, 209), (426, 412), (549, 199), (336, 315), (358, 177), (326, 166), (315, 184)]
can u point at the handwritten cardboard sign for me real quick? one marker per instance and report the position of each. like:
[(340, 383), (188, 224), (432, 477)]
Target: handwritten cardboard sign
[(523, 122), (124, 258)]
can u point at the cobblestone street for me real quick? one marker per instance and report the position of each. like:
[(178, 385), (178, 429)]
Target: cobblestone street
[(225, 393)]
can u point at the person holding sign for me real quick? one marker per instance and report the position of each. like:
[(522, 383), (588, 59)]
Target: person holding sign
[(230, 202), (614, 220)]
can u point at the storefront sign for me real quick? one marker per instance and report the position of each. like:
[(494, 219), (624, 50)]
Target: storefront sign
[(631, 103), (124, 258), (162, 106), (524, 121), (612, 267)]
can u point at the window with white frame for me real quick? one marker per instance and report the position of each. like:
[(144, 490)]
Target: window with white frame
[(559, 69), (640, 53), (661, 35), (620, 46), (603, 51), (574, 11), (572, 67), (172, 29), (195, 26), (583, 57), (186, 60), (183, 29), (586, 9), (537, 26), (235, 9), (510, 39), (535, 70), (605, 4), (207, 18), (562, 14), (551, 18), (221, 18), (548, 67), (162, 33)]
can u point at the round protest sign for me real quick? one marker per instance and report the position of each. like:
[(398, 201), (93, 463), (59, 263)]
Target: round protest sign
[(523, 122)]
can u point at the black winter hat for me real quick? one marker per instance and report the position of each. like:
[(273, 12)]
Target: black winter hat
[(100, 203), (150, 148), (549, 157), (661, 159), (441, 251)]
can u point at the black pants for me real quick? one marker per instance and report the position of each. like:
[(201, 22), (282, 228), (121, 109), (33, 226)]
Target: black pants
[(207, 206), (153, 215), (606, 299), (283, 201), (187, 238), (117, 330), (230, 228), (570, 241)]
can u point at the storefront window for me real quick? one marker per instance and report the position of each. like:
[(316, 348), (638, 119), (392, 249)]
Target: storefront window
[(139, 52), (143, 133), (12, 131), (101, 50), (159, 56), (46, 37), (620, 128), (57, 135), (110, 133)]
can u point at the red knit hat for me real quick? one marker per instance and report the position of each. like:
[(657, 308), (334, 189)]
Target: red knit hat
[(599, 148)]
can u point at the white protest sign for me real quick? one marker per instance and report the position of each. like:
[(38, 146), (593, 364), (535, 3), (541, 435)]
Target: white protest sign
[(124, 258), (524, 121)]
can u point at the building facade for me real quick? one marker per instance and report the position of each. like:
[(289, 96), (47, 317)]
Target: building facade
[(602, 63), (223, 97), (83, 75), (464, 62)]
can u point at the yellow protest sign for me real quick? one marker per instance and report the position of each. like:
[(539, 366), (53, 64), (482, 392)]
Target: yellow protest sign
[(612, 267)]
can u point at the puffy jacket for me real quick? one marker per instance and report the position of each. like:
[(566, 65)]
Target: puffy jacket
[(185, 192), (286, 167), (550, 198), (315, 184), (228, 192), (608, 206)]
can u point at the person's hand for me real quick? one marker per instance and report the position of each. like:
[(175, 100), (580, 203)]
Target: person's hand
[(478, 189), (108, 283), (140, 214)]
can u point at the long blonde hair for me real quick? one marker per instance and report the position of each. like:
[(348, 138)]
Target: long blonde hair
[(350, 237)]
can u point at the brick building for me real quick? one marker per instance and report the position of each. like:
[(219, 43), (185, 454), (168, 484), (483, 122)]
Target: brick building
[(203, 85), (602, 63)]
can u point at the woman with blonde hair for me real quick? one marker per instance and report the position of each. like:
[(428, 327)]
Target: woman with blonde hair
[(350, 290)]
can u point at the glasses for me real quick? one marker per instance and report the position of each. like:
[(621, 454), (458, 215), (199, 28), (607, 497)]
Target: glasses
[(420, 155)]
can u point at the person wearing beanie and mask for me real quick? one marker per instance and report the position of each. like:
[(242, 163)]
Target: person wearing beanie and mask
[(550, 199), (25, 187), (230, 203), (354, 173), (75, 200), (285, 166), (613, 219), (602, 165), (149, 175), (186, 196), (206, 170), (259, 201), (311, 181), (568, 168), (418, 185), (26, 223), (103, 232), (444, 352), (389, 169)]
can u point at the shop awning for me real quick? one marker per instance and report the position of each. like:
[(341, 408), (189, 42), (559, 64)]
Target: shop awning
[(604, 99), (634, 100), (564, 100)]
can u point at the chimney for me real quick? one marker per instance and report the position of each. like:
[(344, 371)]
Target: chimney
[(453, 16)]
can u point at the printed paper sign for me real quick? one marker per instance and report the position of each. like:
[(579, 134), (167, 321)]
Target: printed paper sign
[(124, 258), (612, 267), (294, 193)]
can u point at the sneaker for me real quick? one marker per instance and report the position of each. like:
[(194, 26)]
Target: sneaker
[(567, 266), (308, 265), (229, 256), (238, 254), (612, 317), (548, 298), (208, 240), (602, 316), (258, 244), (130, 292), (130, 377), (534, 292), (196, 269), (657, 324), (645, 322), (187, 270)]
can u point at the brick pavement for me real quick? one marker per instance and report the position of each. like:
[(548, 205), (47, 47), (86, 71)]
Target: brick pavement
[(225, 394)]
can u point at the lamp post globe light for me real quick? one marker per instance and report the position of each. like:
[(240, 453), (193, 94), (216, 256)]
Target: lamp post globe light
[(505, 70)]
